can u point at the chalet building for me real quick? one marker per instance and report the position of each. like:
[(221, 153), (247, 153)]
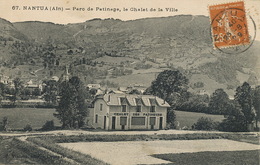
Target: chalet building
[(129, 112)]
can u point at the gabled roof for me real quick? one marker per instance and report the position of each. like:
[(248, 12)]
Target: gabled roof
[(147, 100)]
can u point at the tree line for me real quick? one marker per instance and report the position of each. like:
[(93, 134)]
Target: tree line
[(240, 113)]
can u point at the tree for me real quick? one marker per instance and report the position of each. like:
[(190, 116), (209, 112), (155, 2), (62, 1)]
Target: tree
[(48, 54), (51, 92), (17, 89), (80, 100), (2, 91), (244, 97), (48, 126), (235, 121), (205, 123), (170, 120), (167, 83), (72, 109), (5, 123), (219, 102), (36, 92), (28, 128), (256, 104), (195, 103)]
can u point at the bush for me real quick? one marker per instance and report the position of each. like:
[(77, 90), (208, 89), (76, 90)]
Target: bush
[(232, 125), (48, 126), (3, 124), (205, 123), (28, 127), (171, 118)]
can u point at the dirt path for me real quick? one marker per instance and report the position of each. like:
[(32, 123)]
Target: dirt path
[(83, 132)]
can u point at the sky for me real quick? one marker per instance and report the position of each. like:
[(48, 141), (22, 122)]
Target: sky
[(13, 10)]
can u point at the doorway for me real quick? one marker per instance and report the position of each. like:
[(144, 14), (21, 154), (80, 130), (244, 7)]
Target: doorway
[(161, 123), (105, 122), (113, 122)]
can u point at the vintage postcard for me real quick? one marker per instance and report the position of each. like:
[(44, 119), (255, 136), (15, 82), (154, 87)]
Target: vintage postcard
[(129, 82)]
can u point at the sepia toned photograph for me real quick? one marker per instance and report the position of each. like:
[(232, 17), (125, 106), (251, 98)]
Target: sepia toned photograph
[(129, 82)]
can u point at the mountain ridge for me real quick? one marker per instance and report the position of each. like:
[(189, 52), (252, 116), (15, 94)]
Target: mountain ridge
[(182, 42)]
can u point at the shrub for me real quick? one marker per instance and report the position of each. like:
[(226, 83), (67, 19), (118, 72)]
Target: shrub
[(205, 123), (232, 125), (171, 118), (3, 124), (28, 127), (48, 126)]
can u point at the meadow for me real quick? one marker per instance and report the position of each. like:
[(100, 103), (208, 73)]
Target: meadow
[(189, 118), (18, 118)]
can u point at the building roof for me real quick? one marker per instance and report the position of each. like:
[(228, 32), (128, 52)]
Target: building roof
[(147, 100)]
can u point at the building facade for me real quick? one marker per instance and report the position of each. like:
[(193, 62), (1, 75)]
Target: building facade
[(129, 112)]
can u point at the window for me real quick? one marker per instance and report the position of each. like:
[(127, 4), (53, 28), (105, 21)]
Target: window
[(152, 120), (138, 108), (96, 119), (123, 101), (123, 120), (152, 109), (123, 108), (138, 121), (101, 107)]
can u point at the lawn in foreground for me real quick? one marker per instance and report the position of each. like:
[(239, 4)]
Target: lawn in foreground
[(249, 157), (139, 152)]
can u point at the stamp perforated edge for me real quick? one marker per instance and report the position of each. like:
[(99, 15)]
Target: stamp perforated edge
[(211, 30)]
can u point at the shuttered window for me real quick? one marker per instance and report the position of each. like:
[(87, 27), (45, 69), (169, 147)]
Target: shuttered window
[(138, 108), (123, 108), (152, 109), (96, 119)]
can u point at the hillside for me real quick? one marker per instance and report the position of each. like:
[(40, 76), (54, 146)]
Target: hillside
[(142, 47)]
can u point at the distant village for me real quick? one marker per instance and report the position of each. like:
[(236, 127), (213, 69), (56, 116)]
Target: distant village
[(35, 90)]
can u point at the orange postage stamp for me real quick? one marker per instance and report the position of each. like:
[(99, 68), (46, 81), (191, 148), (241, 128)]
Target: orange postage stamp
[(229, 25)]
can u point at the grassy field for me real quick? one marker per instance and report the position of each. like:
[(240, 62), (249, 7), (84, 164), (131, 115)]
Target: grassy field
[(19, 117), (214, 158), (36, 117), (189, 118)]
